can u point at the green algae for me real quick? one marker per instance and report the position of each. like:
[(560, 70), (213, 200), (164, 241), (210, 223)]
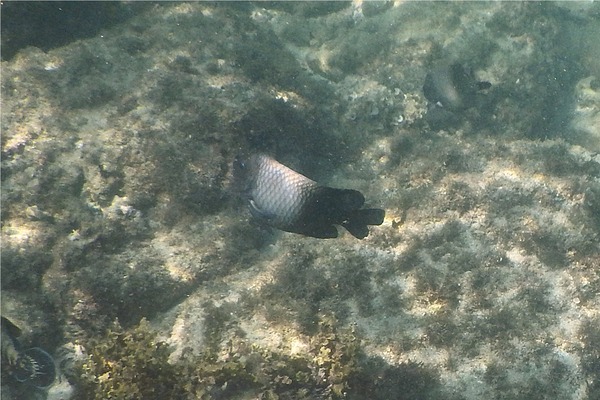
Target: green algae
[(127, 364), (134, 364)]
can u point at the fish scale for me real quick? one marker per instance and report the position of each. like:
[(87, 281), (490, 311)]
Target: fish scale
[(280, 191)]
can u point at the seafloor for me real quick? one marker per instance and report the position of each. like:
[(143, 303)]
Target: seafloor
[(482, 283)]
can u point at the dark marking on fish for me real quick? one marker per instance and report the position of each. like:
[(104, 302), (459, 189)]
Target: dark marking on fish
[(287, 200), (452, 86), (451, 89)]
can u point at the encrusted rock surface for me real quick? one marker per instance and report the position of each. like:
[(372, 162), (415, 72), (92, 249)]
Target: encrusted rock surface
[(116, 197)]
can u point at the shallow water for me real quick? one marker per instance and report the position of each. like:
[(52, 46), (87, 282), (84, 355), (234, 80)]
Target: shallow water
[(117, 145)]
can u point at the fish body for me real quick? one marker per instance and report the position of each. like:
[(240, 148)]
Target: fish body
[(452, 86), (287, 200), (451, 90), (33, 366)]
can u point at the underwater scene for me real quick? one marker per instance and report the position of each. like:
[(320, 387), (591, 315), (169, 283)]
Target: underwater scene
[(300, 200)]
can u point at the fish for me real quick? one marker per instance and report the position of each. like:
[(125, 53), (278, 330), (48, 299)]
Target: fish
[(33, 366), (451, 89), (452, 86), (280, 197)]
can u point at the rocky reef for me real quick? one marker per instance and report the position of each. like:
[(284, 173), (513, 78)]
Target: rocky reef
[(128, 257)]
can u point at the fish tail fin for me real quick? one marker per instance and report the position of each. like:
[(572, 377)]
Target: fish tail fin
[(343, 207), (35, 368), (358, 221)]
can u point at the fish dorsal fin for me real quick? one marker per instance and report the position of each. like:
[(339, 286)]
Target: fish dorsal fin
[(11, 328)]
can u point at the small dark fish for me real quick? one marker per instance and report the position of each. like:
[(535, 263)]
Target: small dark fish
[(452, 86), (284, 199), (33, 366)]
